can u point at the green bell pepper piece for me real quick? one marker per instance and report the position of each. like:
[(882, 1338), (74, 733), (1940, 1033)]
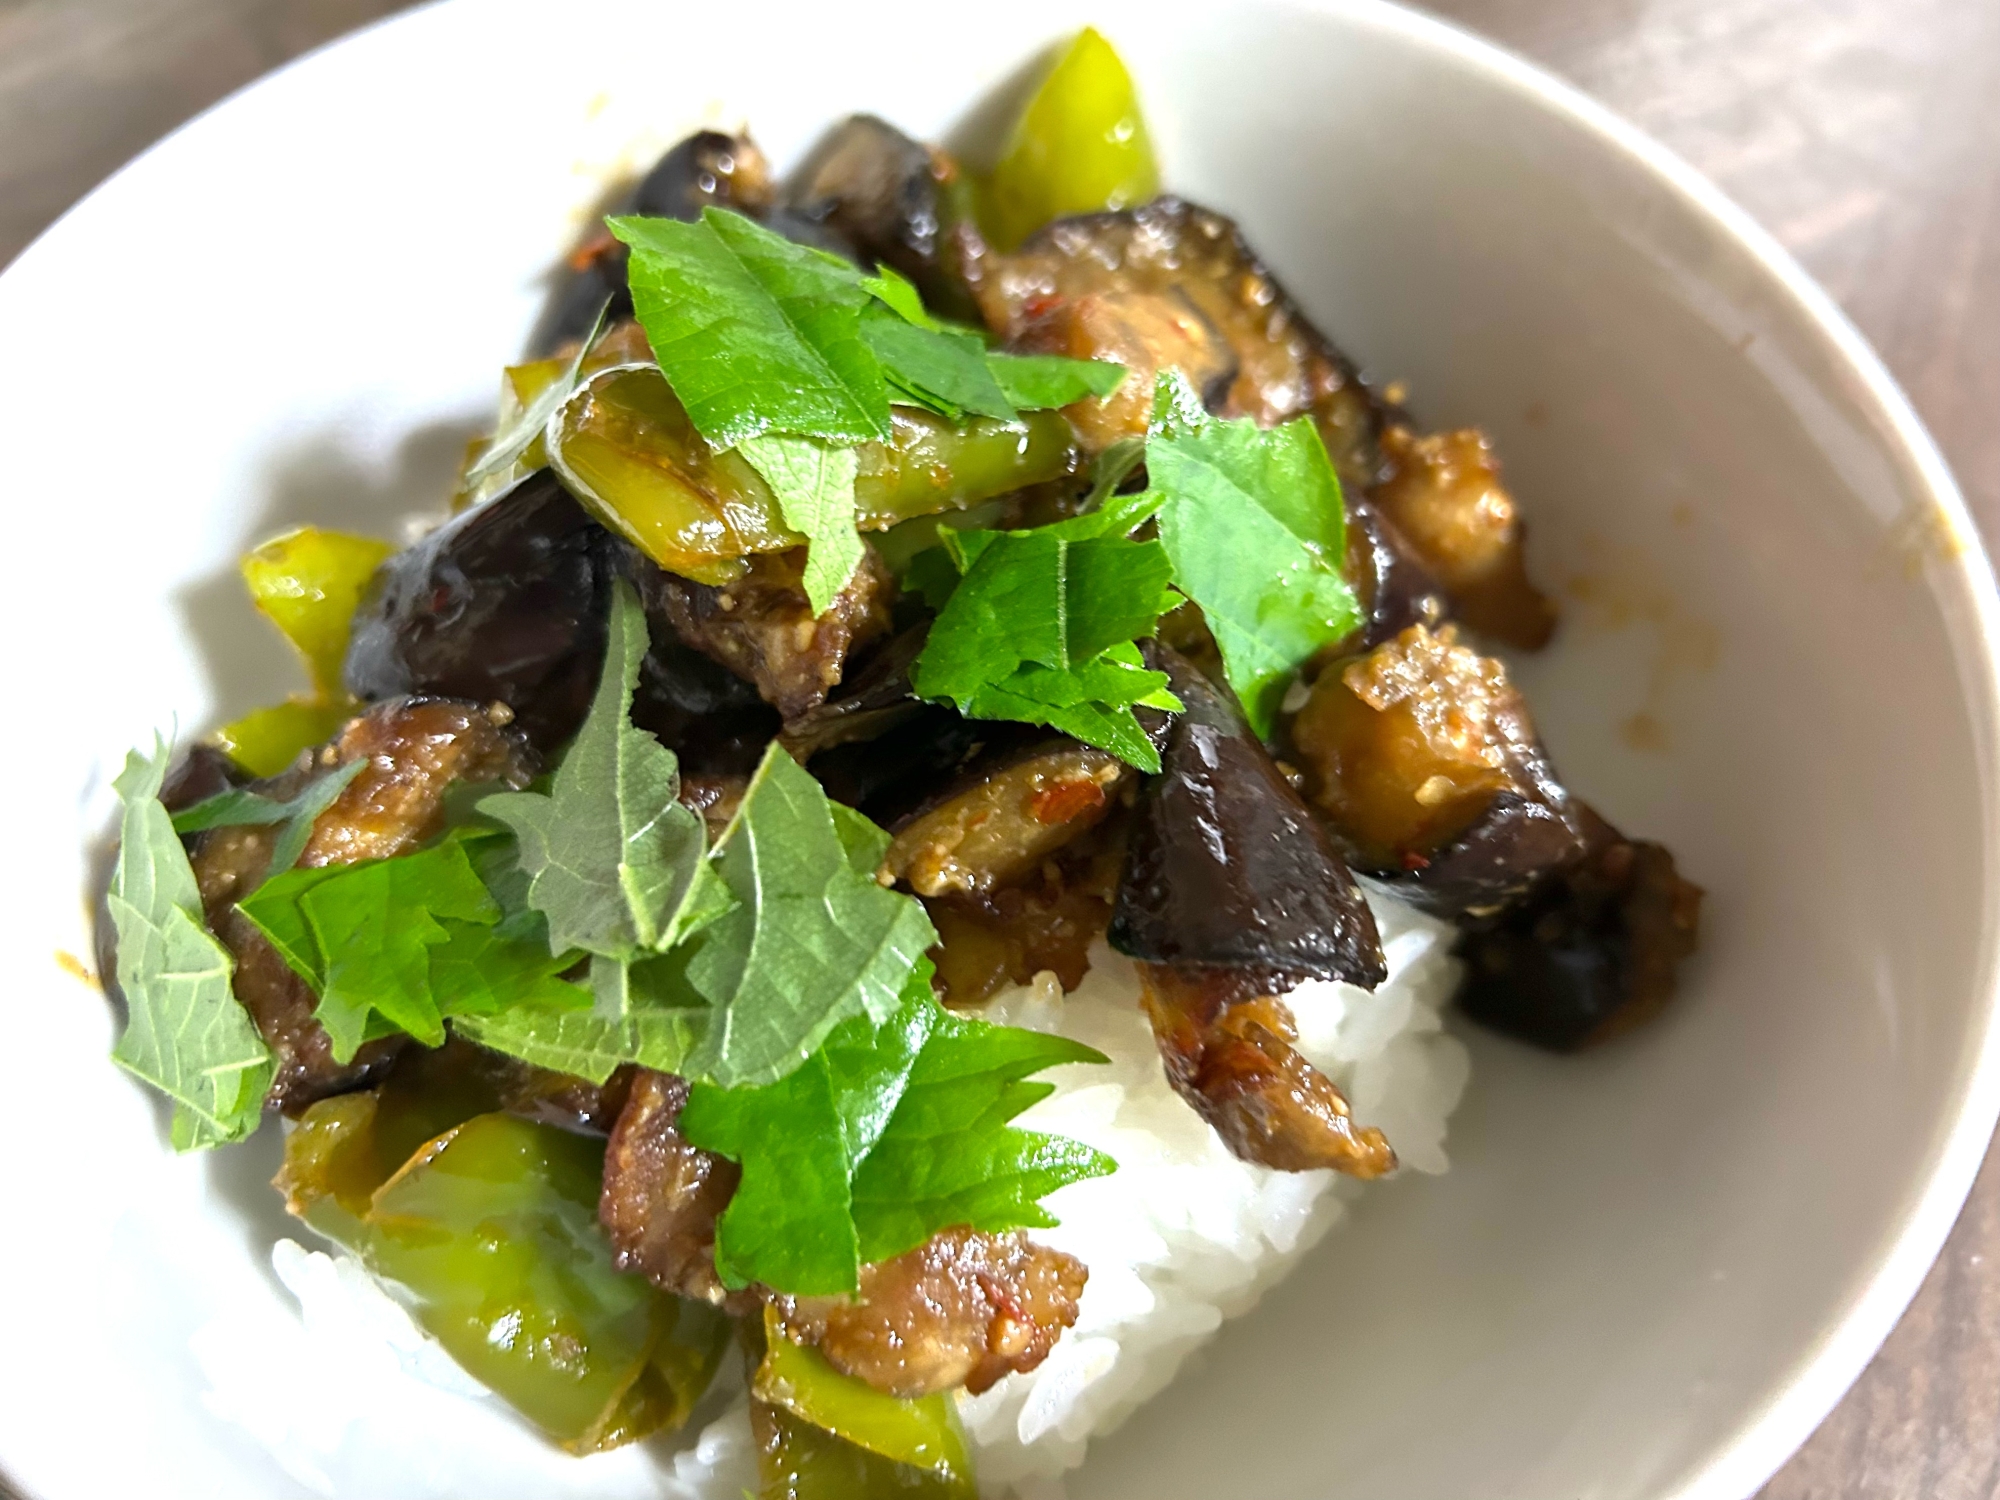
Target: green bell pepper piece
[(308, 583), (1080, 146), (624, 446), (823, 1435), (491, 1225)]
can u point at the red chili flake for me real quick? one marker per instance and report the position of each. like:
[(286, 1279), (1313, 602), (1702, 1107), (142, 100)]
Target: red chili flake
[(1413, 861), (592, 250), (1066, 800)]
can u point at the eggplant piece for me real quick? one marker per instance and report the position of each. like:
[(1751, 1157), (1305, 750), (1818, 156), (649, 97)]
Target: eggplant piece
[(889, 776), (1396, 590), (1173, 284), (414, 750), (898, 202), (1424, 760), (1592, 953), (708, 169), (1443, 495), (874, 696), (1226, 1039), (1232, 896), (762, 626), (1009, 812), (1227, 867), (505, 602)]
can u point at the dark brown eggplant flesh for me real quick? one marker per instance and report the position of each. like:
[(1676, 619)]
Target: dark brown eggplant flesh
[(1593, 953), (895, 200), (894, 774), (1172, 284), (1226, 866), (873, 697), (762, 626), (1226, 1040), (414, 750), (505, 602), (1423, 759)]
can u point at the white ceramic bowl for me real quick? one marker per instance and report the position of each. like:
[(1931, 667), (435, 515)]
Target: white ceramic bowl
[(1652, 1269)]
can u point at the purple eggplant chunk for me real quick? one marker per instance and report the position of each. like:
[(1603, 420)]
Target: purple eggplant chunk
[(1227, 867)]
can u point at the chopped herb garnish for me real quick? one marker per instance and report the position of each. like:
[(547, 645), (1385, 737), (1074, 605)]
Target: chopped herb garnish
[(610, 853), (185, 1033), (399, 944), (812, 939), (1040, 628), (889, 1133), (1253, 521), (754, 333)]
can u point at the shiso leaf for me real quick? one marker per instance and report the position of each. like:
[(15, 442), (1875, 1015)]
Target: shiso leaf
[(814, 483), (1253, 521), (886, 1135), (610, 852), (241, 807), (754, 333), (1041, 627), (185, 1032), (812, 938)]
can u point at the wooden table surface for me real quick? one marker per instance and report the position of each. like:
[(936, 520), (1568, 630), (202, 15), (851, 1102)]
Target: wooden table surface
[(1864, 133)]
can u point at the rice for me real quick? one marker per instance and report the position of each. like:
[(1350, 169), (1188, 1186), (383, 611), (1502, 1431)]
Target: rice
[(1182, 1236)]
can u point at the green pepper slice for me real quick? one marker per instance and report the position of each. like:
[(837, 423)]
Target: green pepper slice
[(491, 1225), (822, 1435), (624, 446), (308, 583), (1080, 146)]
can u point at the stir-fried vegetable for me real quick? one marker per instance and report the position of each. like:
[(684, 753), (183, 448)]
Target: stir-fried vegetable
[(1079, 146), (307, 583), (624, 445), (491, 1225), (822, 1435)]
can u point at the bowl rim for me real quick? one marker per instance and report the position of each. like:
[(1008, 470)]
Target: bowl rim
[(1959, 578)]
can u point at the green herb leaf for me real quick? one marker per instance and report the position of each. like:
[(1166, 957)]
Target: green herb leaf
[(610, 853), (185, 1032), (888, 1134), (586, 1044), (949, 369), (1254, 523), (242, 807), (1034, 381), (1041, 628), (814, 483), (384, 944), (944, 370), (811, 940), (506, 448), (755, 334)]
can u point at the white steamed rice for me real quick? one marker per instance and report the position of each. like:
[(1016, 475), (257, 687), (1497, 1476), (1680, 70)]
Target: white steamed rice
[(1182, 1236)]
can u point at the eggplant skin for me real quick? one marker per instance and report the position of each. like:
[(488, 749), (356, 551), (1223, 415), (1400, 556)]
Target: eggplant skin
[(1395, 588), (1591, 954), (1227, 867), (890, 198), (505, 602)]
